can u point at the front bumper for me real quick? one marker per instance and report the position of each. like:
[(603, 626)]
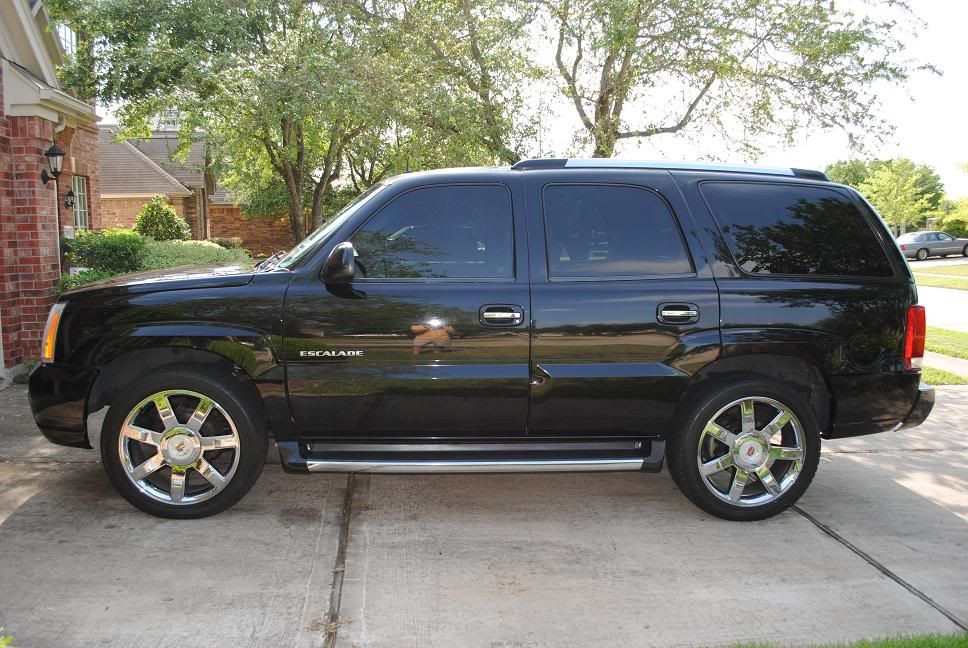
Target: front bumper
[(58, 400)]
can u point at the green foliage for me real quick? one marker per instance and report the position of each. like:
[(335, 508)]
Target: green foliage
[(112, 250), (172, 254), (6, 641), (159, 220), (757, 67), (953, 218), (957, 283), (856, 172), (900, 192), (917, 641), (78, 279), (230, 243)]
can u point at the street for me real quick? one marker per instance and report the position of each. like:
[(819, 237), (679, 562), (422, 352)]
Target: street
[(877, 547)]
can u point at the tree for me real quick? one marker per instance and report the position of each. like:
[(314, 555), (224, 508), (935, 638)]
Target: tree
[(893, 188), (283, 86), (462, 69), (761, 67), (856, 173)]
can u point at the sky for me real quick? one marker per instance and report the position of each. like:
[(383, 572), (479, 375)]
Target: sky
[(930, 113)]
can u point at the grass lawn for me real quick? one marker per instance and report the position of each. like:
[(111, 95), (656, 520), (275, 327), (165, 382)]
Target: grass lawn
[(945, 342), (960, 283), (933, 376), (961, 269), (926, 641)]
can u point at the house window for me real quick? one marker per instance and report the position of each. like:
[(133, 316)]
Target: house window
[(68, 39), (81, 216)]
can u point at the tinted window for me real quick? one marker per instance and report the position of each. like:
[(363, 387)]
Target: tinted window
[(799, 230), (609, 231), (459, 231)]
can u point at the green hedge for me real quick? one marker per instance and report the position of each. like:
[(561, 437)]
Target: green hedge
[(170, 254), (112, 250), (159, 220)]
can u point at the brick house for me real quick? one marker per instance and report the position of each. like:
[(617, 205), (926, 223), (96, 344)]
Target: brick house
[(36, 112), (134, 171)]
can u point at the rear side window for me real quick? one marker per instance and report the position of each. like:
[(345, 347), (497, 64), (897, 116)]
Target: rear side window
[(446, 232), (795, 230), (611, 231)]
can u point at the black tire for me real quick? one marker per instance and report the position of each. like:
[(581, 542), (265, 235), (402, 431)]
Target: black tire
[(921, 255), (964, 251), (251, 448), (688, 433)]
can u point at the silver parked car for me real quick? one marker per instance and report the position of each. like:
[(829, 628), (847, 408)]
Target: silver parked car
[(921, 245)]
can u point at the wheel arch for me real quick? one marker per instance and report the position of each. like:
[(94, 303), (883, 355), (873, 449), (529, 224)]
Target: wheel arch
[(802, 375)]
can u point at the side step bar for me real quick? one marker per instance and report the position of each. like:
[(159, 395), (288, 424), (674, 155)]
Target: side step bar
[(474, 466), (324, 457)]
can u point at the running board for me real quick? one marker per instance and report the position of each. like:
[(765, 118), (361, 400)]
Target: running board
[(301, 457)]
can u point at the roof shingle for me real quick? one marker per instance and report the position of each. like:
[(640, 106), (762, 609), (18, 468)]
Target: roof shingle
[(124, 170)]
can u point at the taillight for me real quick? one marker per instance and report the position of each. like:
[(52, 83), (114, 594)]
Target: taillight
[(902, 247), (50, 333), (915, 330)]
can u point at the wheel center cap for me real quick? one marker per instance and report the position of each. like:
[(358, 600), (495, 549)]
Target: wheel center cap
[(751, 452), (180, 447)]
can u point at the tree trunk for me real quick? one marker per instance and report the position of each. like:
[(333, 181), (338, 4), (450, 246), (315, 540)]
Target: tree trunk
[(296, 228)]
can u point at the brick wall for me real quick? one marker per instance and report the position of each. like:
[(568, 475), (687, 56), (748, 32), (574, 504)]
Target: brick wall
[(29, 255), (261, 236), (122, 212)]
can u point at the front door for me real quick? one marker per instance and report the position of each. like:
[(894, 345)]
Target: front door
[(431, 340), (622, 314)]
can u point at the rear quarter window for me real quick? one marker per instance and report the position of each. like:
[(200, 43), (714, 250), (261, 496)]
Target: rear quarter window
[(783, 229)]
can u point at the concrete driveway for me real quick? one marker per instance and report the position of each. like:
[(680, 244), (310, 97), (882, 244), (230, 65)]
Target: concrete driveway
[(878, 546)]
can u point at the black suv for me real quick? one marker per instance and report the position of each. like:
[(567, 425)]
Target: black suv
[(558, 315)]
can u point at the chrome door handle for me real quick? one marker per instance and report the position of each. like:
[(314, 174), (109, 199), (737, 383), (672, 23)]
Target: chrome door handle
[(669, 312), (677, 313), (501, 315)]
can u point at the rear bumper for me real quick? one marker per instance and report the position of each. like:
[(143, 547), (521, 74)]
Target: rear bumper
[(58, 400), (916, 415), (921, 409)]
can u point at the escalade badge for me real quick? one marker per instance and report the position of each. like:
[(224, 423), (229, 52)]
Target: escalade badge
[(330, 354)]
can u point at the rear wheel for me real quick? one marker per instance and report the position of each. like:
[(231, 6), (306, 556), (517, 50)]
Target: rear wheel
[(921, 255), (182, 445), (747, 452), (964, 251)]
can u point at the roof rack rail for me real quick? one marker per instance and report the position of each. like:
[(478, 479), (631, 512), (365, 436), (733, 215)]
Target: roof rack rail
[(613, 163)]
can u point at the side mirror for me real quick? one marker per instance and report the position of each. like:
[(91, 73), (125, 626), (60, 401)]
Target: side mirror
[(340, 267)]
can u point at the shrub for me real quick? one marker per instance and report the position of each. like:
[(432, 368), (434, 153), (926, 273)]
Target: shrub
[(78, 279), (113, 250), (230, 243), (170, 254), (159, 220)]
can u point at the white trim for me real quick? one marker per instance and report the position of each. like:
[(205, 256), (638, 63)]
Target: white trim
[(125, 196), (47, 65), (24, 96)]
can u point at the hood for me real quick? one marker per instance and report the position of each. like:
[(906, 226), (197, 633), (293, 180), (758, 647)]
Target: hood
[(180, 278)]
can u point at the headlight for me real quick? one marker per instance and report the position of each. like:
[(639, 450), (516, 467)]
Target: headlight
[(50, 332)]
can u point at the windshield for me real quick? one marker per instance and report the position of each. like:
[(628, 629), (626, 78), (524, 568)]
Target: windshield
[(311, 242)]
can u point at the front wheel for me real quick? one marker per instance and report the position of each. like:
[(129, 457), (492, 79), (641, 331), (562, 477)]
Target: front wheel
[(747, 452), (182, 444), (964, 251)]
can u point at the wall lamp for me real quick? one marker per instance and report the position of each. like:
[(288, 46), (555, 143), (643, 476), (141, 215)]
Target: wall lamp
[(55, 159)]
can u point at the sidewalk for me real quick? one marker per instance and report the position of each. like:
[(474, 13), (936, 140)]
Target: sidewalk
[(957, 366)]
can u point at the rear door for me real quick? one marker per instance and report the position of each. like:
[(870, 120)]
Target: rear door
[(431, 339), (624, 307)]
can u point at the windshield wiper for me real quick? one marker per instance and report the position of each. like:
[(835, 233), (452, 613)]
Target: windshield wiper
[(271, 262)]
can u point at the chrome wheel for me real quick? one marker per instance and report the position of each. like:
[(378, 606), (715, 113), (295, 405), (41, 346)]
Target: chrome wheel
[(751, 451), (179, 447)]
